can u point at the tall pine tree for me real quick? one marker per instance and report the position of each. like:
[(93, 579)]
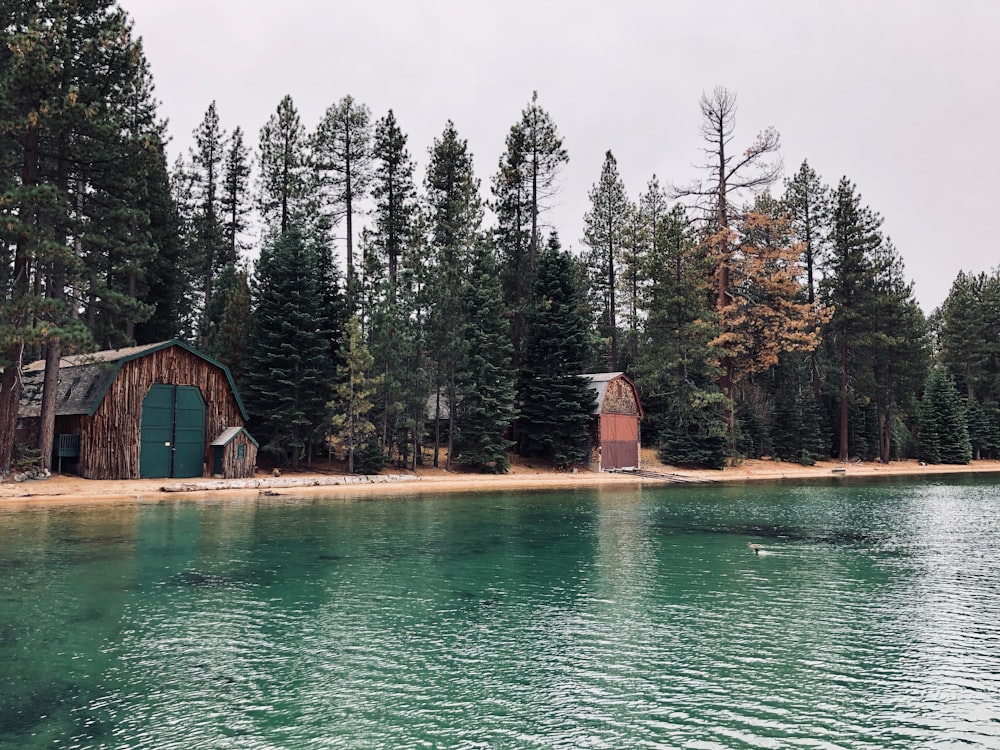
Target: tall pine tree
[(555, 401)]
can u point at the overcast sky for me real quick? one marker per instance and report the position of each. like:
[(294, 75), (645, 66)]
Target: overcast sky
[(901, 96)]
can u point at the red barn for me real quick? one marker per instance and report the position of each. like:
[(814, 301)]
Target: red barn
[(615, 429)]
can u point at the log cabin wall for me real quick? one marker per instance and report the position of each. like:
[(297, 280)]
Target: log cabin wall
[(109, 443)]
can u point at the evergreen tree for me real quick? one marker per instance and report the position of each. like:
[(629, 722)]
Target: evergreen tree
[(168, 285), (899, 349), (605, 234), (944, 436), (968, 333), (352, 404), (227, 319), (287, 375), (234, 200), (394, 193), (392, 305), (555, 401), (522, 188), (731, 174), (645, 236), (79, 133), (848, 286), (455, 214), (677, 375), (765, 314), (284, 168), (807, 202), (343, 159), (207, 176), (485, 383)]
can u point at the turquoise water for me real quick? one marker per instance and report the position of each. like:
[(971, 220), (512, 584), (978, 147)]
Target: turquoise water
[(633, 618)]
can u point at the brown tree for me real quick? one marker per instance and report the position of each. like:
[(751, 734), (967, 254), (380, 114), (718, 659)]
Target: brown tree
[(731, 176)]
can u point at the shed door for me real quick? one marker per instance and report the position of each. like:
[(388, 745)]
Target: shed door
[(619, 441), (172, 432)]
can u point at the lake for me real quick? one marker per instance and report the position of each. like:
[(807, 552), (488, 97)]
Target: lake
[(611, 618)]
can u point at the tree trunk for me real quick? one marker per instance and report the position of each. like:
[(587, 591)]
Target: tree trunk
[(844, 353), (451, 422), (885, 436), (10, 381)]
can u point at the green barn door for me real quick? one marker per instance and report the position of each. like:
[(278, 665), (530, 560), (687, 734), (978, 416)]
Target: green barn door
[(172, 432), (157, 432), (189, 432)]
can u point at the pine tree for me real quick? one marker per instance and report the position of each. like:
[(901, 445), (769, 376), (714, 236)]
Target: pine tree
[(394, 193), (765, 314), (284, 168), (227, 319), (485, 383), (605, 234), (455, 214), (343, 158), (522, 188), (848, 286), (207, 176), (287, 374), (899, 348), (169, 281), (351, 404), (731, 174), (645, 235), (555, 401), (807, 201), (944, 436), (677, 375), (390, 335), (78, 127), (234, 201)]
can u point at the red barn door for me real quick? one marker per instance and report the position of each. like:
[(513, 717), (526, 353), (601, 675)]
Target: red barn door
[(619, 441)]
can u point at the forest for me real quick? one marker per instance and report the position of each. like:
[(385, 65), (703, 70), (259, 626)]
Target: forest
[(380, 316)]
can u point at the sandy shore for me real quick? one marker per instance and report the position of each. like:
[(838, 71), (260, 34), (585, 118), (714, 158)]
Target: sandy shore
[(75, 490)]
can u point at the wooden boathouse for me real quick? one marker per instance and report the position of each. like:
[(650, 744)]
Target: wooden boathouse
[(615, 427), (159, 410)]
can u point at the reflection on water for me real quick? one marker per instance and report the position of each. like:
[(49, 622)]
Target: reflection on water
[(586, 619)]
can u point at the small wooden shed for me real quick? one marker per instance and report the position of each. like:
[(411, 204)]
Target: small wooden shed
[(615, 427), (234, 454), (142, 412)]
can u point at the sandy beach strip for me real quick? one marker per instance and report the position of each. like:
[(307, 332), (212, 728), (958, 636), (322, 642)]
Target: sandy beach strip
[(78, 491)]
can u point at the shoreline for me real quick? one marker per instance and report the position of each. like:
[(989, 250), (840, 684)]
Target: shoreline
[(73, 490)]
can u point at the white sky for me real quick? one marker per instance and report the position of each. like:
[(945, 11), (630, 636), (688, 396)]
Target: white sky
[(900, 96)]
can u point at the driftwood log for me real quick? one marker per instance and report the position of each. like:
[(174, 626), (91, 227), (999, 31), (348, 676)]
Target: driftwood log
[(270, 483)]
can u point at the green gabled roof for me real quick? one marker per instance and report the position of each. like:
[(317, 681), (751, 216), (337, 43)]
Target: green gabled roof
[(85, 378), (227, 435)]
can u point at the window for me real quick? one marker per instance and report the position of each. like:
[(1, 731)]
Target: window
[(241, 452)]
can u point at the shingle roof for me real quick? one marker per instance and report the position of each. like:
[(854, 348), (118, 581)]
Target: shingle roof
[(599, 382)]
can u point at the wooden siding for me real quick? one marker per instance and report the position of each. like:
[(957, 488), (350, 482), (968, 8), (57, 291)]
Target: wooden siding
[(109, 445), (615, 429), (236, 468), (619, 441)]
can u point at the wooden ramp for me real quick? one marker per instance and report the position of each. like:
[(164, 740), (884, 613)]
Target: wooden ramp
[(661, 477)]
